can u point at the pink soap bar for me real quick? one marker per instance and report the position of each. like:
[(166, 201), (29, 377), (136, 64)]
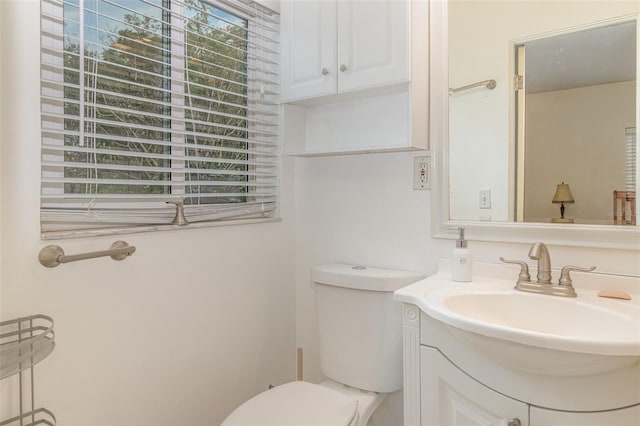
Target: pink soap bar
[(614, 294)]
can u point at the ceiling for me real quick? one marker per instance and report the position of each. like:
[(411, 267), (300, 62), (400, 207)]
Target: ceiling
[(583, 58)]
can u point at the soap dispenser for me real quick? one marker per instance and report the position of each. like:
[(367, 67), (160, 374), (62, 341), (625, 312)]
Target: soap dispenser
[(461, 263)]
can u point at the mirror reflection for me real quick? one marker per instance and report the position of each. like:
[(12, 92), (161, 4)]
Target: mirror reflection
[(553, 144), (578, 117)]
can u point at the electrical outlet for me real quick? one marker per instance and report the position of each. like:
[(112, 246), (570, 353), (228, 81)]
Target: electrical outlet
[(485, 199), (421, 173)]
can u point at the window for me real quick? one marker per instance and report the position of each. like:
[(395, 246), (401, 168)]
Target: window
[(146, 102)]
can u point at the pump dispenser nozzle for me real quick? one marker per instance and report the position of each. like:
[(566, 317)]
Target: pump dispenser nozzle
[(461, 242)]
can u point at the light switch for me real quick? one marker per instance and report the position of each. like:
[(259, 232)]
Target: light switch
[(485, 199)]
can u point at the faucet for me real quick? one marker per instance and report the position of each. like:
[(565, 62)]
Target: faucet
[(540, 253), (543, 285)]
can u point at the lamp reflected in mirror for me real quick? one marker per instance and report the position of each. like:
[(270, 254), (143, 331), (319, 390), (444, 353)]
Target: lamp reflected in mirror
[(562, 195)]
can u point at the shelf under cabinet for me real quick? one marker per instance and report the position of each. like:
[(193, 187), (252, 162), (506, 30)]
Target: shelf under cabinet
[(369, 122)]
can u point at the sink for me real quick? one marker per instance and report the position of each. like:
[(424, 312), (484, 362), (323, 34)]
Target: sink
[(530, 332), (539, 333), (552, 322)]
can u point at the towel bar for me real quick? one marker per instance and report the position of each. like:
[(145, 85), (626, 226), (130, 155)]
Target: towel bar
[(489, 84), (52, 255)]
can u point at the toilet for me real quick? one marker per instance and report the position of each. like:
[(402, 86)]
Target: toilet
[(360, 339)]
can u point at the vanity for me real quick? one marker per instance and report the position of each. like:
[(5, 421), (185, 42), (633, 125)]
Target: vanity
[(483, 353)]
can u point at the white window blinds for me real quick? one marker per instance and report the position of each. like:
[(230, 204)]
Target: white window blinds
[(149, 101)]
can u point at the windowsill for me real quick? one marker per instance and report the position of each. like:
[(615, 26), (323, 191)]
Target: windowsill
[(60, 235)]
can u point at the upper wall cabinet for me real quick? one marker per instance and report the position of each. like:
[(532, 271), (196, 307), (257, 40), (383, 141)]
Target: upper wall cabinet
[(354, 76), (331, 47)]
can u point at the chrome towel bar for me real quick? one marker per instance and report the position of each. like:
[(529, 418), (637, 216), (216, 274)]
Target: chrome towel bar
[(490, 84), (52, 255)]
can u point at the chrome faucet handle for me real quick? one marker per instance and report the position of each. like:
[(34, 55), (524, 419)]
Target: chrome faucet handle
[(524, 269), (565, 278)]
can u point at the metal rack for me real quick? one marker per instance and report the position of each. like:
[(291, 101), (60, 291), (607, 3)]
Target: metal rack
[(23, 343)]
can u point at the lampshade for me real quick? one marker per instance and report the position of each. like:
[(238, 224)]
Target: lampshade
[(563, 194)]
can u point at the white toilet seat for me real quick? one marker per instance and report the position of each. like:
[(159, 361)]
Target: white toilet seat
[(305, 404)]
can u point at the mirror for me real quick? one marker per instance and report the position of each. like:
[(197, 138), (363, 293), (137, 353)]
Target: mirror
[(474, 137), (578, 113)]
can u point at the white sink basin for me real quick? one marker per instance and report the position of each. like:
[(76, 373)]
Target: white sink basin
[(536, 333)]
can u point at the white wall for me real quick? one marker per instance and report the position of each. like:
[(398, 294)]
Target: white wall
[(195, 322)]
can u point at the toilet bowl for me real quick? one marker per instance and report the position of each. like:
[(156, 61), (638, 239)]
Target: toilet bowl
[(360, 341), (307, 404)]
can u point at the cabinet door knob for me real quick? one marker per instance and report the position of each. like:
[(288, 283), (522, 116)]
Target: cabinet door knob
[(324, 71), (343, 68), (514, 422)]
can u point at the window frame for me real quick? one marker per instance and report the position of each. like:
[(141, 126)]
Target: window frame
[(161, 214)]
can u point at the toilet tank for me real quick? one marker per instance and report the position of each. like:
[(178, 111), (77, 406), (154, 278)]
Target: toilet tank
[(359, 324)]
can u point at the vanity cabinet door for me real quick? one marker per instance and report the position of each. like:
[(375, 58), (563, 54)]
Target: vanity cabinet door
[(450, 397), (623, 417)]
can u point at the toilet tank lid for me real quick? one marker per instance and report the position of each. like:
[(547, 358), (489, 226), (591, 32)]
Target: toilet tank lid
[(362, 277)]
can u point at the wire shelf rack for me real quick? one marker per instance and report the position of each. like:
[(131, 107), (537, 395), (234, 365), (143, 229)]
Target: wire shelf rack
[(41, 416), (24, 342)]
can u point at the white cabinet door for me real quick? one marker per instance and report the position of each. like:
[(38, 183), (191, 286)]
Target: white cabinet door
[(336, 46), (624, 417), (373, 43), (450, 397), (308, 49)]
